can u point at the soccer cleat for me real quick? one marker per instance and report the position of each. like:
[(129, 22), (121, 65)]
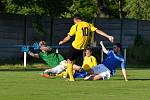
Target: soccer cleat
[(45, 75), (72, 80), (64, 76), (89, 77)]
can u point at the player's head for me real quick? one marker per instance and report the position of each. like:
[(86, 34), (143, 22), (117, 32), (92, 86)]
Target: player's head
[(117, 47), (42, 43), (43, 46), (88, 52), (77, 18)]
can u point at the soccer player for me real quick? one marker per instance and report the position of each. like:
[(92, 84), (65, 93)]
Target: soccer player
[(108, 66), (89, 60), (88, 63), (46, 55), (82, 31)]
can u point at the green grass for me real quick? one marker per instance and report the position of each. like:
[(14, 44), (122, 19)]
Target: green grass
[(28, 85)]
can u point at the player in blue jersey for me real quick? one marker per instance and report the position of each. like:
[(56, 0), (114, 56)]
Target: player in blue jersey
[(108, 66)]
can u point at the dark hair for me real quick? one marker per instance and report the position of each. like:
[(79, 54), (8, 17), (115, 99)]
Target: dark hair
[(119, 46), (42, 43), (88, 48), (77, 16)]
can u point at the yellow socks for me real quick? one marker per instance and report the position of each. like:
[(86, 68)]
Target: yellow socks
[(70, 72)]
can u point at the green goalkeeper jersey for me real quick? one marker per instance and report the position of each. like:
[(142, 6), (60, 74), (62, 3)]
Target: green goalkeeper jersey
[(52, 59)]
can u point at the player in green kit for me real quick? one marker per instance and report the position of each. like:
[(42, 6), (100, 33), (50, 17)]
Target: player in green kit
[(50, 58)]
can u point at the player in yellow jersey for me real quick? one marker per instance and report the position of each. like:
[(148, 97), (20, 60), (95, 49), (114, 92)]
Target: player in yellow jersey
[(82, 31), (89, 60), (88, 63)]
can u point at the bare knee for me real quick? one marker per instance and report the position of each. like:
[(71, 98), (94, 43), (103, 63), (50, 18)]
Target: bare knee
[(76, 67), (97, 77)]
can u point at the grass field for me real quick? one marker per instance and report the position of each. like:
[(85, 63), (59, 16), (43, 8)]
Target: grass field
[(28, 85)]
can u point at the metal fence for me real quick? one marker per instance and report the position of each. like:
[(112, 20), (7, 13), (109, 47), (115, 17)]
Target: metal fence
[(22, 30)]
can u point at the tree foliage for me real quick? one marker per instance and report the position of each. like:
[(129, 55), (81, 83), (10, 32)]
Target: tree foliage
[(139, 9), (37, 7), (59, 8), (110, 8), (115, 8), (86, 8)]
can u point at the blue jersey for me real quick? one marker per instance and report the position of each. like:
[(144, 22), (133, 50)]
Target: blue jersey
[(113, 60)]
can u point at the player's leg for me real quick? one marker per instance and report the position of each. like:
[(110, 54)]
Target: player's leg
[(90, 74), (79, 72), (58, 69), (100, 72), (76, 67), (97, 77), (105, 75), (72, 55), (46, 73), (51, 71), (104, 72), (70, 69)]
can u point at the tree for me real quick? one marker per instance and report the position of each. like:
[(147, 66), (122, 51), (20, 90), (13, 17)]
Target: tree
[(139, 9), (110, 8), (37, 7), (86, 8), (1, 6)]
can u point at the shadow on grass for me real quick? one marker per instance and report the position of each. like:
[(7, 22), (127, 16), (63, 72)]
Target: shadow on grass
[(138, 79)]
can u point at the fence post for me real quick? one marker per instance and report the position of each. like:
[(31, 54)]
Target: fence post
[(51, 31), (137, 28), (25, 59), (25, 40), (25, 33), (121, 30)]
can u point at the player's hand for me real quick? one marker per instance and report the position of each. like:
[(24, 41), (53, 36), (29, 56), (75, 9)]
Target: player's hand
[(111, 38), (61, 42), (101, 42), (29, 52)]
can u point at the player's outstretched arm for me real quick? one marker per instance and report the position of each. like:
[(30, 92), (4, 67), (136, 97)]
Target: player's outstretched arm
[(66, 39), (103, 47), (111, 38), (33, 55), (124, 74)]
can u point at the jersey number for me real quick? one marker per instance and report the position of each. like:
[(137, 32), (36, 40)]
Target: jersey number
[(85, 31)]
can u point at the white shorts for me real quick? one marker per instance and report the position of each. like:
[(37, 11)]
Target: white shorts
[(102, 70), (56, 70)]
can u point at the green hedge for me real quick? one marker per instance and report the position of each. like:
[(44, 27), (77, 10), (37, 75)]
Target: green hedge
[(138, 55)]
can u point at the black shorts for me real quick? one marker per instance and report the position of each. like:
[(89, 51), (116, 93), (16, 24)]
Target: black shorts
[(74, 53)]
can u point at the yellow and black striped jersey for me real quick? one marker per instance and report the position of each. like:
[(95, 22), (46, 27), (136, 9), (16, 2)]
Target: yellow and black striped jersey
[(82, 31), (89, 62)]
